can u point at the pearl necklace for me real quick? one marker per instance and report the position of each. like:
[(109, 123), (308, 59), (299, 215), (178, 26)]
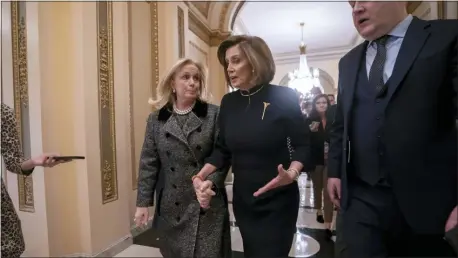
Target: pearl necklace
[(183, 112)]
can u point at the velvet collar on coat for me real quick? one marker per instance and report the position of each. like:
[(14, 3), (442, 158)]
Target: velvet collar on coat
[(200, 109)]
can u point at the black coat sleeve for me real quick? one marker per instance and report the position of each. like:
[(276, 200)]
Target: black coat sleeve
[(219, 176), (336, 135), (221, 155), (296, 128)]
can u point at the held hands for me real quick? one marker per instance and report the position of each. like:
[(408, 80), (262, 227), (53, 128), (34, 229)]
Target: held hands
[(284, 178), (203, 191)]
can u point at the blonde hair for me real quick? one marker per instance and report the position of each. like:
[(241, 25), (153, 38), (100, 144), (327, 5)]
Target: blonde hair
[(164, 91), (258, 54)]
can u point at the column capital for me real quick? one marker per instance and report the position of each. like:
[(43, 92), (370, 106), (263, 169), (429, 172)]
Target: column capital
[(216, 37), (211, 37)]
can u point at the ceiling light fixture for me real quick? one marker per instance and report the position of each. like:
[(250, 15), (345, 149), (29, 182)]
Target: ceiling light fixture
[(304, 78)]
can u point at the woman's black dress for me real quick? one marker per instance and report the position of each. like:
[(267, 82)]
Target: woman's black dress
[(253, 139)]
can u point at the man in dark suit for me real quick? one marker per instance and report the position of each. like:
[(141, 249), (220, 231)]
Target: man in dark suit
[(393, 154)]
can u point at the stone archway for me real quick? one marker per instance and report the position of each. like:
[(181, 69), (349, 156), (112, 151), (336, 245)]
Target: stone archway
[(222, 15)]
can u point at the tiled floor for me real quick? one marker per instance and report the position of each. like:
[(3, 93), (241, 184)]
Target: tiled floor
[(309, 241)]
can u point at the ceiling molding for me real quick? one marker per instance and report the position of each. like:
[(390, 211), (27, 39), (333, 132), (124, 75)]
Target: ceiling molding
[(223, 19), (411, 7), (236, 12), (242, 27), (202, 7), (201, 30)]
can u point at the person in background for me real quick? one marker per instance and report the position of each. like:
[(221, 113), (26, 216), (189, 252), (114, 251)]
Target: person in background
[(12, 240), (319, 142), (332, 99), (255, 123), (306, 108), (315, 91), (394, 137), (179, 136)]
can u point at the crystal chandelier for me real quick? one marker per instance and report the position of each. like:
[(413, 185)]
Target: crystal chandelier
[(304, 78)]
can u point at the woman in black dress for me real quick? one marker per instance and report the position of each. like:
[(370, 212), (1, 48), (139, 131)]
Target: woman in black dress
[(255, 122), (319, 143)]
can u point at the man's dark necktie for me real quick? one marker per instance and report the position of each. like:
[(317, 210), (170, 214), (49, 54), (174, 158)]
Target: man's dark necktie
[(376, 72)]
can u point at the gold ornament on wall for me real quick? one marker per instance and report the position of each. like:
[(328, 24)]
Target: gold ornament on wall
[(21, 98), (106, 103), (154, 43), (181, 46)]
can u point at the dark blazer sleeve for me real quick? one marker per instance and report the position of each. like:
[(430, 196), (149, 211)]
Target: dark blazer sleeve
[(11, 145), (149, 166), (455, 76), (336, 134), (221, 155), (219, 176), (296, 128), (330, 115)]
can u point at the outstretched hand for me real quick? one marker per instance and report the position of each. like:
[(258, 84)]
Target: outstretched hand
[(283, 178), (47, 160)]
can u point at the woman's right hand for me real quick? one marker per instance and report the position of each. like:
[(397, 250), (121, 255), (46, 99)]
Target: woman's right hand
[(141, 216)]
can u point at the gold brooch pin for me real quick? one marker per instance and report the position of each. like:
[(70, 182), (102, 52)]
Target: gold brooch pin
[(264, 111)]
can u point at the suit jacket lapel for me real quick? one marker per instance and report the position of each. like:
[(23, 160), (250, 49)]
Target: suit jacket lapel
[(172, 127), (351, 71), (414, 40), (192, 124)]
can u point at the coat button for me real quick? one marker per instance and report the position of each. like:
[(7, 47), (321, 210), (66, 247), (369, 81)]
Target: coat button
[(198, 148), (178, 218), (168, 153), (172, 169), (174, 186), (194, 164), (199, 129), (167, 135), (177, 203)]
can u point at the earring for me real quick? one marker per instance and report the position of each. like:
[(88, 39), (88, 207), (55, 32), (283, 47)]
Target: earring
[(173, 90), (252, 71)]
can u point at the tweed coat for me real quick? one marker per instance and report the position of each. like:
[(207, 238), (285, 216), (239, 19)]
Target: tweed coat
[(12, 241), (170, 156)]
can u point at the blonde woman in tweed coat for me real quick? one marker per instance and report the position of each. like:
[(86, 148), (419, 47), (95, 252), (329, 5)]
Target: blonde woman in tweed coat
[(179, 135)]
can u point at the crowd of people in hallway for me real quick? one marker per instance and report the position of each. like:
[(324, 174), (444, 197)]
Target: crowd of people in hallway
[(378, 154)]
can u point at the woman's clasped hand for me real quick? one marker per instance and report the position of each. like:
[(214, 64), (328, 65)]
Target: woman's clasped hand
[(204, 191)]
